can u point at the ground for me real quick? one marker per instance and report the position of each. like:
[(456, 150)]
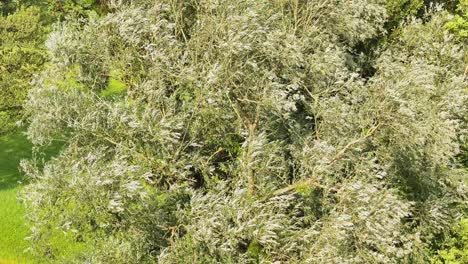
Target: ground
[(13, 229)]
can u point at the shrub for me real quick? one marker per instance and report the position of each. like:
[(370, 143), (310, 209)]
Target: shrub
[(246, 134)]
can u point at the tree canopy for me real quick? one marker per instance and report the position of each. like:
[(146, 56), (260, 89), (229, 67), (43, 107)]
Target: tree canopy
[(252, 131)]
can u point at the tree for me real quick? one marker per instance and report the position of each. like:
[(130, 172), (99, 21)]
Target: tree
[(24, 28), (222, 132), (21, 56)]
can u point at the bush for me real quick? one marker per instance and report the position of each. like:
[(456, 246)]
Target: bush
[(244, 133)]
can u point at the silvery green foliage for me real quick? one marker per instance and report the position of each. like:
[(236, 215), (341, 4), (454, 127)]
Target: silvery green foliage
[(360, 221), (417, 71), (245, 134), (220, 225)]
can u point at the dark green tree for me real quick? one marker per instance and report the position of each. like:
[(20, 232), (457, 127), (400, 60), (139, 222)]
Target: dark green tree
[(22, 54)]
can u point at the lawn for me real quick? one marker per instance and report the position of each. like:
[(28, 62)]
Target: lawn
[(13, 230)]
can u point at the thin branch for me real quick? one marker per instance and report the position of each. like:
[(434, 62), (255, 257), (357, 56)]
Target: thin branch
[(314, 181), (341, 153), (309, 182), (465, 73)]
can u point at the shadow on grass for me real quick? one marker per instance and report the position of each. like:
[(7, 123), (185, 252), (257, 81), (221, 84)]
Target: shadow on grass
[(13, 148)]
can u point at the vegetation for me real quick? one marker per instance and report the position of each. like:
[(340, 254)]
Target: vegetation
[(12, 229), (21, 56), (23, 30), (456, 251), (459, 23), (253, 131)]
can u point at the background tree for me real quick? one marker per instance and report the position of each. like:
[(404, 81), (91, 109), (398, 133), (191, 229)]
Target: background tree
[(22, 54)]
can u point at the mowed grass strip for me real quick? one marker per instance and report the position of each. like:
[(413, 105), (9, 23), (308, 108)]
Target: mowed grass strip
[(13, 230)]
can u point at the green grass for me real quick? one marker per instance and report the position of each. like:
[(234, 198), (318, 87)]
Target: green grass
[(13, 230), (115, 87)]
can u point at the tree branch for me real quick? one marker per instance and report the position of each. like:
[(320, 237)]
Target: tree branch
[(314, 181)]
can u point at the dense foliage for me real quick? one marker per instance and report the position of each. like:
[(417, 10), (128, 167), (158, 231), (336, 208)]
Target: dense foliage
[(456, 250), (253, 131), (21, 56), (459, 23), (24, 26)]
